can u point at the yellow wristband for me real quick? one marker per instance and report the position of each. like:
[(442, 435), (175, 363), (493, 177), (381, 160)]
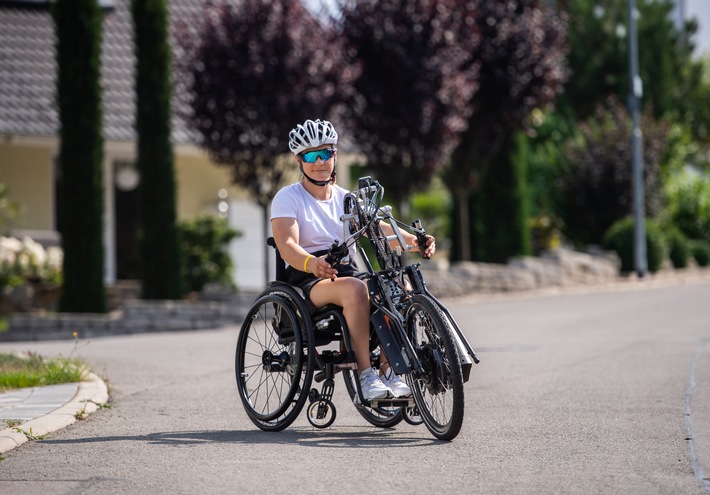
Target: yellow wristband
[(305, 263)]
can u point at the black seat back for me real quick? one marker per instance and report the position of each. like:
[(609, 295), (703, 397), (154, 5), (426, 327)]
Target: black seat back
[(280, 263)]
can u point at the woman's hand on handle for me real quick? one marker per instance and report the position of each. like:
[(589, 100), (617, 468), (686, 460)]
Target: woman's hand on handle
[(430, 248), (321, 268)]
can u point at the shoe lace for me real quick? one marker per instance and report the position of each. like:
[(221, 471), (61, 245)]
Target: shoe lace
[(368, 379), (389, 376)]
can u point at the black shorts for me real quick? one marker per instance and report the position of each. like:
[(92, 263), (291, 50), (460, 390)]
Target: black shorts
[(306, 281)]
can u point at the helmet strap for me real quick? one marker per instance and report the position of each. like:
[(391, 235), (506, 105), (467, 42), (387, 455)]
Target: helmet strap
[(320, 183)]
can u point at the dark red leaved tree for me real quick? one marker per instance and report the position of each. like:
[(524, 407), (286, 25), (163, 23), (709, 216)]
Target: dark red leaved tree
[(415, 88), (254, 69)]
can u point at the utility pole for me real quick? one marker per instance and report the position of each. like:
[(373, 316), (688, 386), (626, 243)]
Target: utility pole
[(635, 93)]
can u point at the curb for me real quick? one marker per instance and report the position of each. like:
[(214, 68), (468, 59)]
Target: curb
[(89, 396)]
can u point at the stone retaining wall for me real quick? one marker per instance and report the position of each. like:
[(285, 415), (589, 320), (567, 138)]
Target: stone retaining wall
[(559, 268), (135, 317)]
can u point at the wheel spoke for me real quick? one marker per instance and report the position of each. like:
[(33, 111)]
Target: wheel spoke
[(271, 373)]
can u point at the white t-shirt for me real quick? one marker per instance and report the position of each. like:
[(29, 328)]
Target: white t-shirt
[(318, 221)]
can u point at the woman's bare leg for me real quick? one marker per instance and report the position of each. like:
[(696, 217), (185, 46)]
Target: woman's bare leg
[(351, 294)]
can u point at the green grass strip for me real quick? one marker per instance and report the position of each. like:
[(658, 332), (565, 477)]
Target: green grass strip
[(33, 370)]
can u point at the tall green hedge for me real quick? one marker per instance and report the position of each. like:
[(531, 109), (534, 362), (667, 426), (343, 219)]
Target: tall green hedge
[(160, 251), (80, 186), (501, 208)]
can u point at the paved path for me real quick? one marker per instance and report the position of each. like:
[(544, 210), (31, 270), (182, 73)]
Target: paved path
[(599, 393), (30, 403), (44, 410)]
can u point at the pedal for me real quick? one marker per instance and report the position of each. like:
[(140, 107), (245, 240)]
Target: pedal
[(401, 402)]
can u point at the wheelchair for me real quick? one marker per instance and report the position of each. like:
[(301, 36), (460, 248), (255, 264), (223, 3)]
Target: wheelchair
[(285, 345)]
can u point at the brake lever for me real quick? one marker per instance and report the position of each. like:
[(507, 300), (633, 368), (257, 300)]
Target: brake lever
[(421, 238), (336, 253)]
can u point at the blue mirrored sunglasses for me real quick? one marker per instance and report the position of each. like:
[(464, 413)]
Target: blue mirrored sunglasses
[(313, 156)]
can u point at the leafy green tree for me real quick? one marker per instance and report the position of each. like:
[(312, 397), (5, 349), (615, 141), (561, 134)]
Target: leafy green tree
[(673, 83), (694, 109), (253, 70), (676, 92), (599, 73), (160, 249), (80, 188)]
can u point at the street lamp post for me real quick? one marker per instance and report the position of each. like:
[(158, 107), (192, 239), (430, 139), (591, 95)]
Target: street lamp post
[(635, 93)]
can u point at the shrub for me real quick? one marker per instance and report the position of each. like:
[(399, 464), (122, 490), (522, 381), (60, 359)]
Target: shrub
[(598, 189), (620, 238), (206, 260), (689, 204), (701, 252), (678, 247)]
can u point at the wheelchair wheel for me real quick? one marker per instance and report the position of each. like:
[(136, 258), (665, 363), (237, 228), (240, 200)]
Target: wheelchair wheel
[(383, 417), (438, 392), (273, 367)]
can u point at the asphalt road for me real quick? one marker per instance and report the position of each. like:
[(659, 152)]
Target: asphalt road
[(606, 392)]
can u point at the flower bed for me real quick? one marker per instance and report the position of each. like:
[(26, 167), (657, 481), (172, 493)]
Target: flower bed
[(30, 275)]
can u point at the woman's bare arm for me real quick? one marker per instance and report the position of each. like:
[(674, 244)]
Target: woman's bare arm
[(286, 235)]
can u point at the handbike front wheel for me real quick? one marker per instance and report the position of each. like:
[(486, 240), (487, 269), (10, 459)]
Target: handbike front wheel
[(273, 369), (438, 392)]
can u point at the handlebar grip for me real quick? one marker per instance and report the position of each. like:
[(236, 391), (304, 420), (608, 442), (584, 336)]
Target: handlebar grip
[(335, 253), (421, 238)]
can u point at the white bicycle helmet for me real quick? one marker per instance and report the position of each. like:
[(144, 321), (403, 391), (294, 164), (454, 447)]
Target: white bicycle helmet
[(311, 135)]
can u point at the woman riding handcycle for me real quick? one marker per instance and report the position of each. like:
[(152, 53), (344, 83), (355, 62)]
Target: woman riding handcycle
[(386, 322)]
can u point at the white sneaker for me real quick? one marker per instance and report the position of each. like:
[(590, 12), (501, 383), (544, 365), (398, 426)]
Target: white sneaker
[(395, 384), (372, 387)]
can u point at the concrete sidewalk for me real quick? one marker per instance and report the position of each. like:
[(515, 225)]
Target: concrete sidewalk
[(43, 410)]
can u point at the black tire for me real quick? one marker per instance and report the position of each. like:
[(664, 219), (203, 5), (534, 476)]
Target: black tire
[(438, 393), (273, 367), (318, 407), (411, 415), (383, 417)]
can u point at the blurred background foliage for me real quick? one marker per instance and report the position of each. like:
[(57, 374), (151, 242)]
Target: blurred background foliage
[(9, 210), (205, 240), (494, 121)]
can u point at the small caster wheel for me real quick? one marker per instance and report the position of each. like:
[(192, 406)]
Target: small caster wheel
[(313, 395), (321, 414), (411, 415)]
